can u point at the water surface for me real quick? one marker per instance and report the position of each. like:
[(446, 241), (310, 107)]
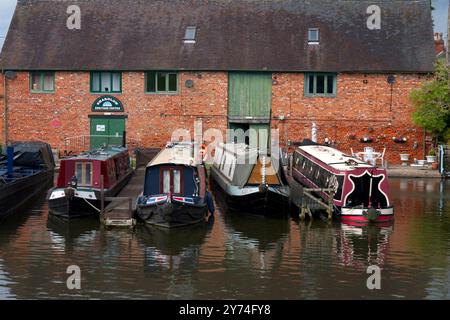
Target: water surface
[(235, 256)]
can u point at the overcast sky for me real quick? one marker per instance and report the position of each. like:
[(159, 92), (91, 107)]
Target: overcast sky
[(7, 9)]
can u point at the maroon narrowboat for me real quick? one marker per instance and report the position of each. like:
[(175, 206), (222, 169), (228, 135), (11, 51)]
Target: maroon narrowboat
[(361, 190), (78, 190)]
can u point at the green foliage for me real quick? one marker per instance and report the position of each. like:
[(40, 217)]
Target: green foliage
[(432, 152), (432, 104)]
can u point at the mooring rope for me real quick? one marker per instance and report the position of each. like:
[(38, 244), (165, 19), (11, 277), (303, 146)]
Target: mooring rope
[(92, 205)]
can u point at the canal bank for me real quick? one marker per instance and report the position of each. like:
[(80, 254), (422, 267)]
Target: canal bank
[(412, 172)]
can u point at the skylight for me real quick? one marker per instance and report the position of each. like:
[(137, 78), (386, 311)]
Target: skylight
[(189, 35), (313, 35)]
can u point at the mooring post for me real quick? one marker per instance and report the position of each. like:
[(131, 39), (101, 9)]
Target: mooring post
[(302, 212), (330, 205), (102, 195)]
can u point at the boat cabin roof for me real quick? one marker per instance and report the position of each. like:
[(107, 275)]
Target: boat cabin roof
[(334, 158), (179, 154), (101, 154)]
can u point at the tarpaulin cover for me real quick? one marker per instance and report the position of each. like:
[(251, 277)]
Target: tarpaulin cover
[(34, 154)]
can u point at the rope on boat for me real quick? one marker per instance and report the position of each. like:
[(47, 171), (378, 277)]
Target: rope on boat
[(92, 205), (263, 173)]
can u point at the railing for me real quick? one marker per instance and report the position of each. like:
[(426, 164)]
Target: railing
[(78, 144)]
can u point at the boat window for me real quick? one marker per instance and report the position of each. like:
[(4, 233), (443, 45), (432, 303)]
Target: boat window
[(88, 174), (176, 181), (83, 172), (224, 158), (171, 180), (79, 171), (166, 181)]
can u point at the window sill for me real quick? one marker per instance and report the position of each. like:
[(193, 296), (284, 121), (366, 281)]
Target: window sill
[(106, 93), (320, 95), (162, 93), (42, 92)]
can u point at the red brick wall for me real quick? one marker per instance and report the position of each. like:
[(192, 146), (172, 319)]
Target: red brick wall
[(153, 117), (357, 107)]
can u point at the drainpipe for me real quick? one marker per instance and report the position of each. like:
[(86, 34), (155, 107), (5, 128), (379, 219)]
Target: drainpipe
[(5, 117)]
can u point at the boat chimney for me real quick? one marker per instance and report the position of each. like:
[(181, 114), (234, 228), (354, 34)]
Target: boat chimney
[(10, 161)]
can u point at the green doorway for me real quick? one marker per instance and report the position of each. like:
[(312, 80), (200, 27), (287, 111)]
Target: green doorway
[(107, 131)]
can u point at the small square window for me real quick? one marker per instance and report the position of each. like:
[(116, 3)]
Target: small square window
[(42, 82), (161, 82), (313, 35), (320, 84), (105, 82)]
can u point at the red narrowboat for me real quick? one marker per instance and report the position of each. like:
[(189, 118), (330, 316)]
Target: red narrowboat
[(361, 190), (78, 190)]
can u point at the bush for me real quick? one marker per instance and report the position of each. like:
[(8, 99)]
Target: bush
[(432, 103)]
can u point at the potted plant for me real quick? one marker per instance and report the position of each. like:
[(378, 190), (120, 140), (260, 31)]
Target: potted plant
[(431, 157)]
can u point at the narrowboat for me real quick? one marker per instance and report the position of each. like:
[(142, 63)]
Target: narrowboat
[(252, 182), (26, 170), (175, 191), (79, 186), (361, 191)]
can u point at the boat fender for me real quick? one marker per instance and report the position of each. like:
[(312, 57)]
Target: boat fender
[(69, 192), (371, 214), (263, 188)]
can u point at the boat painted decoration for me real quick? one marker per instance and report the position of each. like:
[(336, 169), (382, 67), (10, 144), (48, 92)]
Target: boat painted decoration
[(175, 192), (79, 185), (361, 191)]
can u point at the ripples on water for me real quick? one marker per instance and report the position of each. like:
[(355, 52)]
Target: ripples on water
[(236, 256)]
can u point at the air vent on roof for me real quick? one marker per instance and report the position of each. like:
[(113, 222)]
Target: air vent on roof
[(313, 36), (189, 35)]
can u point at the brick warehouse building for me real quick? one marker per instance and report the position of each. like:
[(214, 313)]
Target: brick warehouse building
[(150, 67)]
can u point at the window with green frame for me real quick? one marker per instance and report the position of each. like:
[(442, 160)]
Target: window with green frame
[(106, 82), (161, 82), (320, 84), (42, 81)]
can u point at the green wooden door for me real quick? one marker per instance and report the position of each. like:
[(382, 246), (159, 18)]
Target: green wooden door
[(249, 95), (115, 131), (259, 137), (106, 132)]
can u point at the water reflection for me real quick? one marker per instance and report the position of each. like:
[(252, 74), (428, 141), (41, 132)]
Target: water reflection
[(362, 246), (236, 256), (255, 241), (68, 234)]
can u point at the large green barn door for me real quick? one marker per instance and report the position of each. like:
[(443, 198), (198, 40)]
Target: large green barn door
[(250, 104), (249, 96)]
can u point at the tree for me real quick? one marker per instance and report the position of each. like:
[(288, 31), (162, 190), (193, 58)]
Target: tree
[(432, 104)]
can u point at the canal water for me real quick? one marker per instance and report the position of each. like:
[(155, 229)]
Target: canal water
[(236, 256)]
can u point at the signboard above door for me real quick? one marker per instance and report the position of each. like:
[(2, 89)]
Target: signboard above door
[(107, 104)]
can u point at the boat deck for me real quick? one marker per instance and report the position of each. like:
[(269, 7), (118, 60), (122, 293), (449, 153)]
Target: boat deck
[(118, 212)]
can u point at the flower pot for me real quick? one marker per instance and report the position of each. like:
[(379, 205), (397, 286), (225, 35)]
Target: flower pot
[(421, 162), (404, 157), (431, 159)]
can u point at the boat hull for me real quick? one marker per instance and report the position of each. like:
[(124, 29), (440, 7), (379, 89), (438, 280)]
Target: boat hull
[(171, 215), (360, 215), (18, 194), (274, 201), (76, 207), (83, 203)]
